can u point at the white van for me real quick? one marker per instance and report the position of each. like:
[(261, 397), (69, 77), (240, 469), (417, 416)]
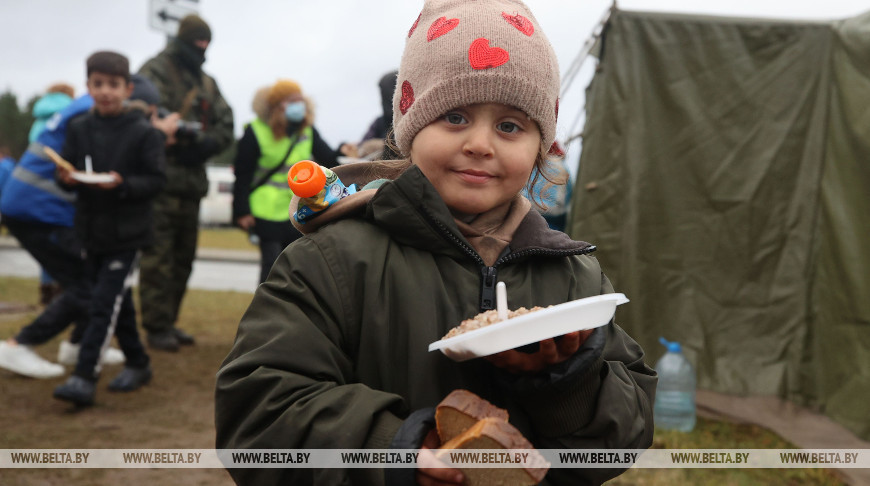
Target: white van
[(216, 208)]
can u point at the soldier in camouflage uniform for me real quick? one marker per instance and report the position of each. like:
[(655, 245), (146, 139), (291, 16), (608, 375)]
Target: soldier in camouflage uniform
[(200, 126)]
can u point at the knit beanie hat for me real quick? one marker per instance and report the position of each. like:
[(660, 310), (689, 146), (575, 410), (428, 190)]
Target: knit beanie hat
[(282, 89), (462, 52), (192, 28), (144, 89)]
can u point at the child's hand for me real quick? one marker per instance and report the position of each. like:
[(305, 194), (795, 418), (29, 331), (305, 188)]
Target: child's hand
[(66, 176), (116, 181), (550, 353), (428, 472), (168, 125), (246, 222), (349, 150)]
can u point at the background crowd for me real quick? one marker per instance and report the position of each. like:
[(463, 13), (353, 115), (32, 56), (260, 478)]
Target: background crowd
[(185, 105)]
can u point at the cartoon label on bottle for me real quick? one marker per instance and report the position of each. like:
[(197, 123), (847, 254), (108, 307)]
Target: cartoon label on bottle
[(333, 191)]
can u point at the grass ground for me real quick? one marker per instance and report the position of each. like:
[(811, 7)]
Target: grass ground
[(709, 434), (225, 238), (176, 411)]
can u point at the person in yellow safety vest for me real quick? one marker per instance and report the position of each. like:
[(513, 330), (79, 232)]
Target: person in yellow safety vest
[(282, 134)]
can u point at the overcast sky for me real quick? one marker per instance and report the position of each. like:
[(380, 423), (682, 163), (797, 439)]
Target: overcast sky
[(336, 49)]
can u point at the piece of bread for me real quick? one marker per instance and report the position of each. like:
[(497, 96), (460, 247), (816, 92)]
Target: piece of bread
[(495, 433), (460, 410), (58, 160)]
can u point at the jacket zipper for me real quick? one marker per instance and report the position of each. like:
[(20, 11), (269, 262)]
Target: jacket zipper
[(489, 275)]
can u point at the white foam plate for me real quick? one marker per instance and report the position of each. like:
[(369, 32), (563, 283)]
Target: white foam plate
[(92, 177), (577, 315)]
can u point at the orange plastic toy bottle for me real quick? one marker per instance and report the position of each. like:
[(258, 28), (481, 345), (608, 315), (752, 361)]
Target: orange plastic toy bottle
[(318, 188)]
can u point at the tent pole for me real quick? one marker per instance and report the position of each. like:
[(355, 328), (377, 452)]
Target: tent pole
[(578, 61)]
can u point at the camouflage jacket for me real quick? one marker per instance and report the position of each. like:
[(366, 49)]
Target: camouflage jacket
[(194, 94)]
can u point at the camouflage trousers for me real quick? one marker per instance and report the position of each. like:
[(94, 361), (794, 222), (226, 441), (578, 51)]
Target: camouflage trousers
[(166, 265)]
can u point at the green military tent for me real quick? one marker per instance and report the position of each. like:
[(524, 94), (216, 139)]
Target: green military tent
[(725, 178)]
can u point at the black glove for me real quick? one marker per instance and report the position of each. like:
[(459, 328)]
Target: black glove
[(562, 375), (409, 436)]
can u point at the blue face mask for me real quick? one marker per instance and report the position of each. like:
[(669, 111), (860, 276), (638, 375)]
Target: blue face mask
[(295, 111)]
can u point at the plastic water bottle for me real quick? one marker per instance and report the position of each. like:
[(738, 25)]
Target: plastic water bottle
[(675, 394)]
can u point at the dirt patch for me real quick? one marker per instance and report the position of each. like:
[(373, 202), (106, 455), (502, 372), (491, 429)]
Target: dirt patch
[(175, 411)]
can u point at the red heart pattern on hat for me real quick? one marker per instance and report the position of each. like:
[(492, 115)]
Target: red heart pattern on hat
[(407, 97), (522, 24), (440, 27), (414, 27), (481, 56)]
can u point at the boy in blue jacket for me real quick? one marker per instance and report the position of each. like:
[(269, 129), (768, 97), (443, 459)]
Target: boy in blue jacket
[(119, 164)]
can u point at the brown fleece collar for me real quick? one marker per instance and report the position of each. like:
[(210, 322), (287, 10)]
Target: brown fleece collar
[(491, 232)]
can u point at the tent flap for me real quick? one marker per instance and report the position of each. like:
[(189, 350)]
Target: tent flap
[(724, 181)]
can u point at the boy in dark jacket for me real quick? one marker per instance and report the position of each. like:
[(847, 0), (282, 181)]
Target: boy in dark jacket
[(119, 165)]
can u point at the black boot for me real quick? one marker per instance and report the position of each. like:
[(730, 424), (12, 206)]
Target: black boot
[(130, 379), (163, 341), (76, 390), (184, 338)]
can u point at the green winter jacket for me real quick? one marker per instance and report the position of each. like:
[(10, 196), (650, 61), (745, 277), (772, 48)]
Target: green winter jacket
[(332, 352), (186, 89)]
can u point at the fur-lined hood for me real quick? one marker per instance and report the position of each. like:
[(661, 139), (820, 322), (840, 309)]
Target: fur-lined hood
[(261, 107)]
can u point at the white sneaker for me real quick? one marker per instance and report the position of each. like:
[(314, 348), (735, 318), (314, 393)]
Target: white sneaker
[(113, 356), (22, 360), (68, 354)]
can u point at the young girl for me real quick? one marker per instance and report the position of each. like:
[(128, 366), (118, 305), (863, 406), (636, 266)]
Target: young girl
[(332, 352)]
